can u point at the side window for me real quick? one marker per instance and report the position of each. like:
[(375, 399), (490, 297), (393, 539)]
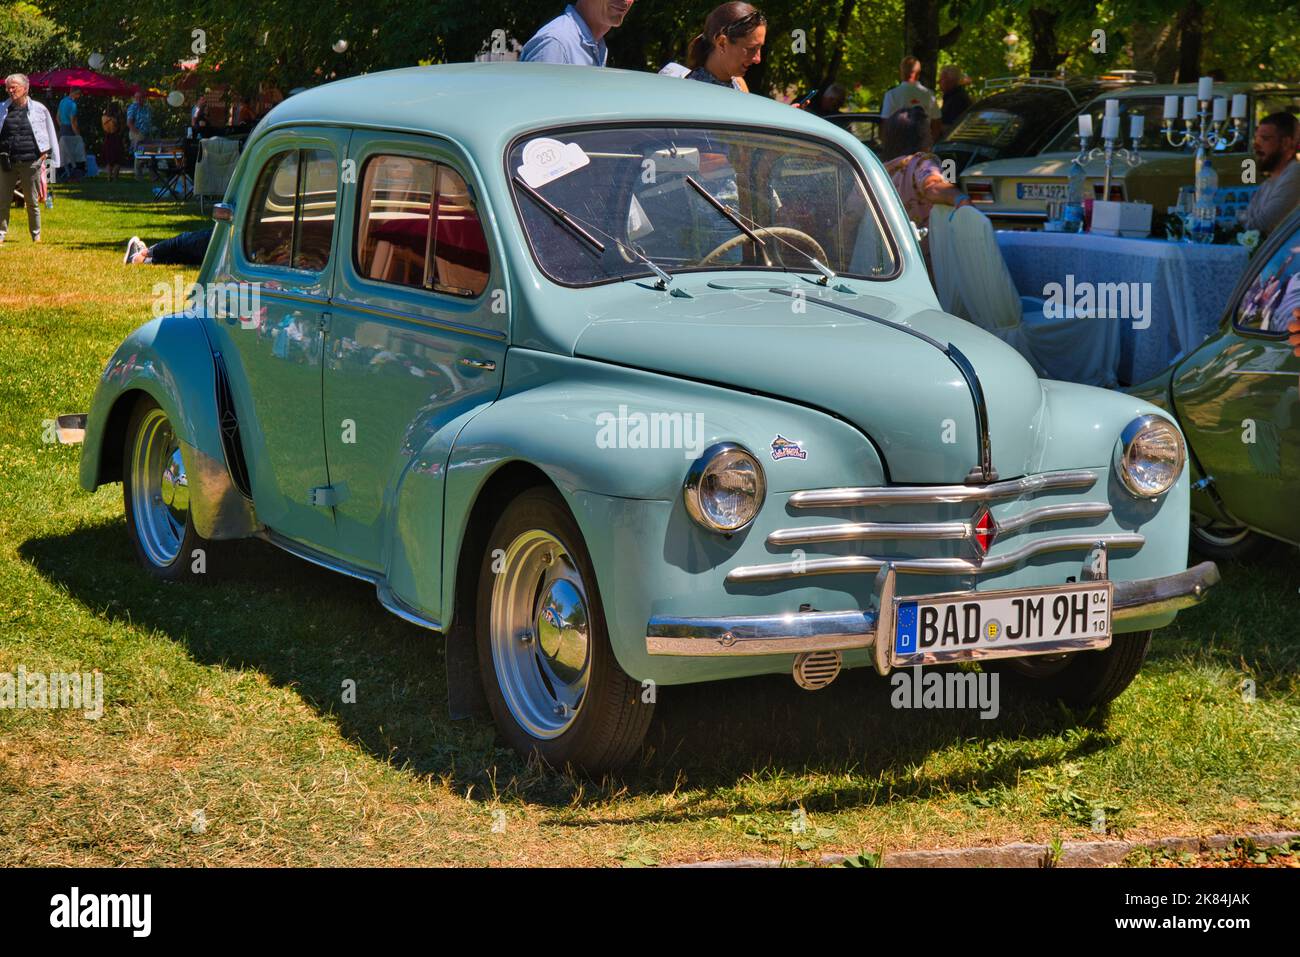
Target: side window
[(460, 254), (417, 226), (1273, 299), (319, 201), (268, 236), (291, 222), (392, 239)]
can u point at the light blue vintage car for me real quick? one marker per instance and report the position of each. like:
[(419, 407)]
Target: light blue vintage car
[(619, 381)]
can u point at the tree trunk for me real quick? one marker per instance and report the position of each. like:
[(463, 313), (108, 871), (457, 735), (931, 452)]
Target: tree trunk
[(1042, 39), (921, 35), (1190, 24), (837, 46), (1155, 48)]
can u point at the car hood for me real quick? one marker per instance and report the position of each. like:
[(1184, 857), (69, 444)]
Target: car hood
[(1056, 164), (876, 363)]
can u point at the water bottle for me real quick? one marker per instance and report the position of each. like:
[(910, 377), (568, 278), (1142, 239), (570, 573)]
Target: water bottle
[(49, 199), (1207, 184), (1074, 198)]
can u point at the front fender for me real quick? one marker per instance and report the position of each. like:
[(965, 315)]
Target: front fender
[(170, 360), (561, 415)]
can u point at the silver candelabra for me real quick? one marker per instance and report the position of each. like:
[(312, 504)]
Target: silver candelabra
[(1108, 150)]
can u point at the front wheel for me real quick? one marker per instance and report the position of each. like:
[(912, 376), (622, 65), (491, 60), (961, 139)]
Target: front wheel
[(1081, 679), (549, 672), (156, 495), (1228, 543)]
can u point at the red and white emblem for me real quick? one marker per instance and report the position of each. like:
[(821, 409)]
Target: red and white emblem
[(985, 530)]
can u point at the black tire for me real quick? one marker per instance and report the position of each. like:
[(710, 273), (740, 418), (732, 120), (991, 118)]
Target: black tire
[(1223, 543), (194, 552), (611, 721), (1083, 679)]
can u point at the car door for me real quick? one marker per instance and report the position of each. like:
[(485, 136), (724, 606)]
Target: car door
[(417, 336), (281, 251), (1238, 396)]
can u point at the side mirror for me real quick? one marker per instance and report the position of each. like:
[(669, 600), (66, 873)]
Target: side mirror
[(223, 212)]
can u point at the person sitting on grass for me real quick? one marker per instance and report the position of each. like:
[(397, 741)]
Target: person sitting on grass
[(187, 249)]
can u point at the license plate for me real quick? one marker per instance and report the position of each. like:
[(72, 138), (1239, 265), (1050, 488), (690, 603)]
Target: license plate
[(998, 624), (1044, 191)]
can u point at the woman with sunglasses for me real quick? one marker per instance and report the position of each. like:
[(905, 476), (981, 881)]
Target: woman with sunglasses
[(731, 43)]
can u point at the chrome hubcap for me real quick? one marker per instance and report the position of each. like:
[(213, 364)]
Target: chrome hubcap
[(540, 634), (160, 491)]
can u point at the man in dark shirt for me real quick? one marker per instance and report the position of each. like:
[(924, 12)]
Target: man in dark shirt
[(27, 137), (956, 100)]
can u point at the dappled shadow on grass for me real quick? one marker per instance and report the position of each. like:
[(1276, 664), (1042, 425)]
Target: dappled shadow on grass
[(313, 630)]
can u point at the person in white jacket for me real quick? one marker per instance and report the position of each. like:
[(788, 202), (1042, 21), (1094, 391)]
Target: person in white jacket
[(28, 138)]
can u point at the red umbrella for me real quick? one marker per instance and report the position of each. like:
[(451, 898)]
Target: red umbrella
[(80, 78)]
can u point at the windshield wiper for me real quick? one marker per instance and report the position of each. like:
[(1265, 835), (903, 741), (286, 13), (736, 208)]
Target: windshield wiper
[(826, 272), (718, 205), (560, 216)]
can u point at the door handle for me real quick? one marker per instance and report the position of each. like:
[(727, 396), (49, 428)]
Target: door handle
[(485, 365)]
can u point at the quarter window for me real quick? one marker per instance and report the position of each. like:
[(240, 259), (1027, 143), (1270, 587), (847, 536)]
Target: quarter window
[(1273, 298), (417, 226), (291, 222)]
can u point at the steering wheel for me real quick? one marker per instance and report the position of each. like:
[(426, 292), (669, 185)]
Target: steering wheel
[(785, 232)]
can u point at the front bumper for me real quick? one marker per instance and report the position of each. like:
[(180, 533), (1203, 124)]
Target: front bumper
[(810, 631)]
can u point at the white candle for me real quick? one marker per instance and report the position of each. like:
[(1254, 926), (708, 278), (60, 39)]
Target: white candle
[(1110, 128), (1085, 126), (1220, 109), (1189, 107), (1239, 106), (1205, 88), (1171, 107), (1136, 124), (1112, 107)]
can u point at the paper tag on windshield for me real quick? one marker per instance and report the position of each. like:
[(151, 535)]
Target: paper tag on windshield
[(546, 160)]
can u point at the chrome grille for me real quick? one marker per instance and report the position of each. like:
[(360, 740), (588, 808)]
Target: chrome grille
[(963, 530)]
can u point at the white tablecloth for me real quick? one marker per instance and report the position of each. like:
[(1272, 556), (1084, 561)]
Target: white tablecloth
[(1189, 286)]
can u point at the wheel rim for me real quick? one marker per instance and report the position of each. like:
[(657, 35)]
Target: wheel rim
[(540, 634), (160, 494), (1224, 536)]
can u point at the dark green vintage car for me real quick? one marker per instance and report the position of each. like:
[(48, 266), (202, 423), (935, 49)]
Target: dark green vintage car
[(1237, 398)]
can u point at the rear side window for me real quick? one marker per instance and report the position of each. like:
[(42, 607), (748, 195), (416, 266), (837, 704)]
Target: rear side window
[(291, 222), (417, 226), (1273, 299)]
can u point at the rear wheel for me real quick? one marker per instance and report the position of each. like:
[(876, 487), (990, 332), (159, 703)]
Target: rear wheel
[(1228, 543), (1080, 679), (549, 672), (156, 495)]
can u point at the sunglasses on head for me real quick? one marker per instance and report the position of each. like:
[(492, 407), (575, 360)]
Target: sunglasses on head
[(746, 24)]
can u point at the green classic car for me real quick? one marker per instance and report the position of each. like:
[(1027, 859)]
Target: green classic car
[(619, 381), (1237, 398)]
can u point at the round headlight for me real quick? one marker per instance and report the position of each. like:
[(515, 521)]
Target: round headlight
[(725, 488), (1150, 456)]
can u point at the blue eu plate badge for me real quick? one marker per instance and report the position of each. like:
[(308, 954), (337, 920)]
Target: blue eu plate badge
[(905, 628)]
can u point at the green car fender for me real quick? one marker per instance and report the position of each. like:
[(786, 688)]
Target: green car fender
[(170, 360), (578, 423)]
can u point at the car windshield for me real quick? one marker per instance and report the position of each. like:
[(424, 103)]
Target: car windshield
[(693, 198), (987, 128), (1153, 140)]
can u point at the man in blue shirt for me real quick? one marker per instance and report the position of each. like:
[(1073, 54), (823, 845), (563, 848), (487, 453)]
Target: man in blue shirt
[(577, 36), (138, 125), (71, 145)]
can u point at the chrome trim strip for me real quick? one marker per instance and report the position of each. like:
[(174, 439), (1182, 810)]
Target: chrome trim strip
[(383, 592), (842, 630), (443, 324), (930, 566), (760, 634), (909, 531), (1153, 596), (925, 494)]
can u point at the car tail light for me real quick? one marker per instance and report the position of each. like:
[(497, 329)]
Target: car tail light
[(980, 192)]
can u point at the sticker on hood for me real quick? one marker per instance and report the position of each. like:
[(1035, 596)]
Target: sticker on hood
[(783, 448)]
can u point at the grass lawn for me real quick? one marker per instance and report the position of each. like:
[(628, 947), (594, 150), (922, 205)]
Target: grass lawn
[(225, 739)]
